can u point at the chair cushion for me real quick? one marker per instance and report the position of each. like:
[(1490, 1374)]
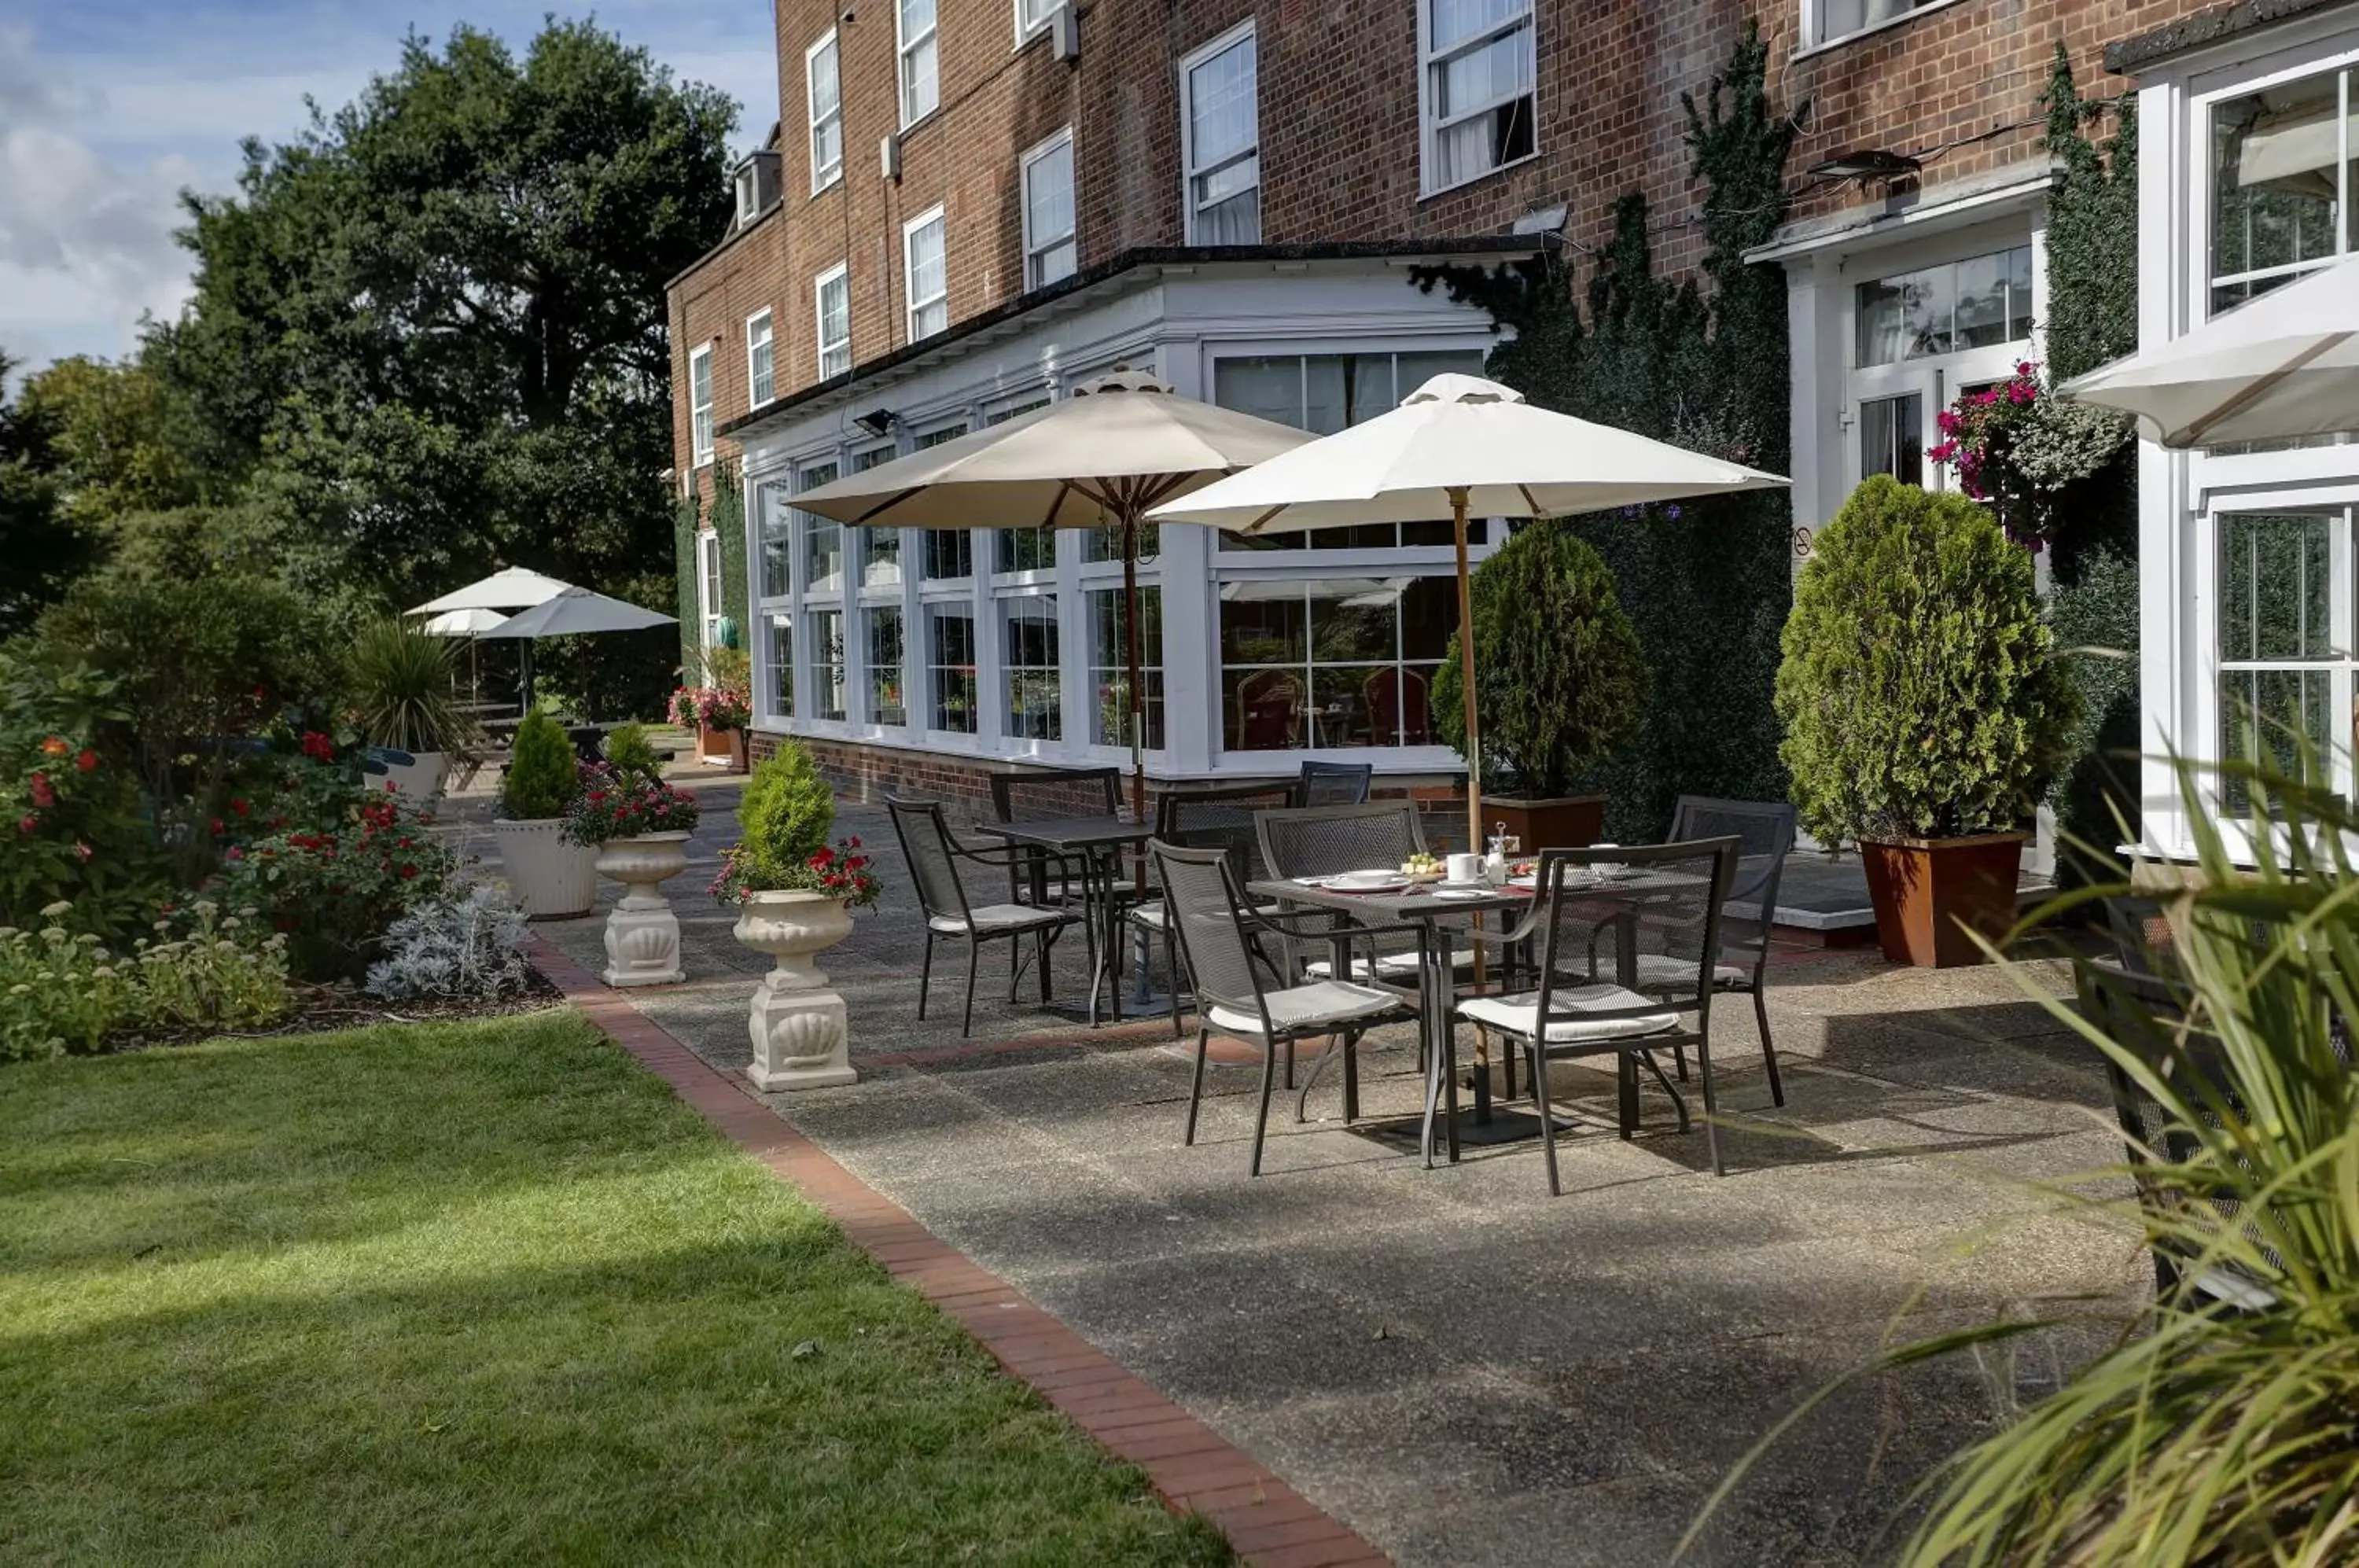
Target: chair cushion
[(1326, 1002), (1519, 1015), (1658, 969), (1389, 965), (993, 918), (1153, 917)]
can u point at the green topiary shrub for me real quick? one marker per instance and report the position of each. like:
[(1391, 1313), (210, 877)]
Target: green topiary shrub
[(1561, 680), (1920, 688), (628, 748), (788, 809), (542, 778)]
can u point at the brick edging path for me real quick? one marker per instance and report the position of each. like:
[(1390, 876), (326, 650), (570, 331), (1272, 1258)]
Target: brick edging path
[(1192, 1467)]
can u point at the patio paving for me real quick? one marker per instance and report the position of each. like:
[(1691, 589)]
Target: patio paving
[(1459, 1366)]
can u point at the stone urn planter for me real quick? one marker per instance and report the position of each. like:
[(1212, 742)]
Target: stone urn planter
[(797, 1022), (551, 880), (1928, 893), (642, 933)]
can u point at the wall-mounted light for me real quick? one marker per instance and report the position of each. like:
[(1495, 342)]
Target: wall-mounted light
[(878, 421), (1866, 163)]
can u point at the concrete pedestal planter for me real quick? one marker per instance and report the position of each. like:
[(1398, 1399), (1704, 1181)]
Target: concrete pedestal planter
[(642, 933), (550, 878), (797, 1022), (420, 778), (1928, 893)]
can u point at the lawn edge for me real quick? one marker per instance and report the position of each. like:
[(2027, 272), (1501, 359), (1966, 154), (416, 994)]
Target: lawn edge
[(1191, 1468)]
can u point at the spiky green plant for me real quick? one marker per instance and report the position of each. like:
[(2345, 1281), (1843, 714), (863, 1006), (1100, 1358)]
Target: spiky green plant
[(2209, 1435), (401, 685)]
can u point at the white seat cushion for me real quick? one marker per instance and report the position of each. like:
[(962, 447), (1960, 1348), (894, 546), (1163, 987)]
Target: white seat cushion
[(1153, 917), (993, 918), (1389, 965), (1658, 969), (1519, 1015), (1326, 1002)]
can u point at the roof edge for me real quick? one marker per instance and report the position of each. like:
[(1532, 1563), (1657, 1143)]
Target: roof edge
[(2204, 28)]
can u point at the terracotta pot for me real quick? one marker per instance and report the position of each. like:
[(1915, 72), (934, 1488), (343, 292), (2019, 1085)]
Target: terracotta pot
[(552, 880), (1929, 893), (1565, 824), (642, 933), (797, 1025), (714, 746)]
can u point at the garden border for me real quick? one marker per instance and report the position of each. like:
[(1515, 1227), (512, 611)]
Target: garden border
[(1192, 1467)]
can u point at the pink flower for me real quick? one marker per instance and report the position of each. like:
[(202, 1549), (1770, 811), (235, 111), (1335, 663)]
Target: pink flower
[(44, 796), (82, 851)]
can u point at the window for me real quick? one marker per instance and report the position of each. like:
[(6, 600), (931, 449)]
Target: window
[(1029, 652), (1220, 135), (2281, 185), (2286, 642), (1892, 438), (761, 377), (1980, 302), (926, 271), (823, 92), (1049, 250), (711, 603), (886, 674), (950, 659), (748, 187), (1832, 19), (823, 537), (1029, 548), (827, 663), (1476, 93), (1032, 16), (833, 293), (699, 404), (880, 549), (1324, 393), (776, 524), (1338, 663), (774, 643), (920, 90), (1110, 667), (779, 650), (950, 552)]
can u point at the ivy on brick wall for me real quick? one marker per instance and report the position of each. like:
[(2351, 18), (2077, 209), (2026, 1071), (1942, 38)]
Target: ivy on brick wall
[(729, 524), (683, 534), (1707, 583), (2092, 318)]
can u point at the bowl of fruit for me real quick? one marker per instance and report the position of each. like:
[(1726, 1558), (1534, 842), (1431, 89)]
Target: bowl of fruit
[(1423, 868)]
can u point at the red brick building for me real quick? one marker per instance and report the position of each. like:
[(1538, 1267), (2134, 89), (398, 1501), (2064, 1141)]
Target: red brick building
[(970, 205)]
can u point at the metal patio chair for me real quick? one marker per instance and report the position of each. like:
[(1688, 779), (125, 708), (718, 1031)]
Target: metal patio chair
[(1334, 784), (934, 857), (1570, 1014), (1060, 796), (1217, 816), (1321, 841), (1240, 991)]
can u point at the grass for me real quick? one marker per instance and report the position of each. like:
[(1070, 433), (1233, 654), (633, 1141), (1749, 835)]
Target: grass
[(482, 1292)]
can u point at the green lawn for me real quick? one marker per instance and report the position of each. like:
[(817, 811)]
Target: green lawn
[(482, 1292)]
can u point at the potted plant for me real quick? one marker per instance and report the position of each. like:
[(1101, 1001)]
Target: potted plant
[(1924, 711), (1560, 681), (795, 893), (551, 876), (639, 829), (719, 710), (401, 690)]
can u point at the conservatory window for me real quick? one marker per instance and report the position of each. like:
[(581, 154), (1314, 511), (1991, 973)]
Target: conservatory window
[(1337, 663), (1027, 625), (886, 673), (2281, 185), (2286, 640), (950, 666), (1980, 302), (778, 650), (880, 549), (1110, 666), (823, 537), (950, 552), (827, 656)]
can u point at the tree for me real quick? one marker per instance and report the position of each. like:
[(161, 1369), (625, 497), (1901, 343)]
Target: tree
[(122, 441), (438, 317), (41, 550)]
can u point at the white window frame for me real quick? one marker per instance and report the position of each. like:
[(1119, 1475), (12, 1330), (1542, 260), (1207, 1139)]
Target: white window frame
[(1428, 58), (1814, 11), (840, 273), (1244, 32), (766, 366), (905, 50), (911, 304), (1027, 31), (708, 608), (746, 187), (1036, 246), (823, 175), (699, 413)]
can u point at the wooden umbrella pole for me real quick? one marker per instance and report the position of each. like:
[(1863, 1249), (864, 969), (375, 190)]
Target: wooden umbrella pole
[(1466, 678), (1134, 711)]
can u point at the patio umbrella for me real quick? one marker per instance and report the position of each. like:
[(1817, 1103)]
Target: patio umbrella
[(1459, 446), (2282, 365), (1117, 446), (575, 612), (462, 623), (510, 588)]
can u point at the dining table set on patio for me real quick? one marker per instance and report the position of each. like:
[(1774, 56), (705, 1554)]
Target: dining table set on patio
[(1299, 914)]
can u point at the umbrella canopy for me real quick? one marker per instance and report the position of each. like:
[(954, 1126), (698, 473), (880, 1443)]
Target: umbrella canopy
[(576, 611), (462, 623), (1458, 445), (2282, 365), (512, 588), (1118, 445)]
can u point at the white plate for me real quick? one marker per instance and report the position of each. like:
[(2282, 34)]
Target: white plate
[(1446, 885), (1449, 892), (1367, 881)]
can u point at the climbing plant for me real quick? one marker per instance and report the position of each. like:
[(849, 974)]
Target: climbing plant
[(1708, 582), (683, 533), (729, 526)]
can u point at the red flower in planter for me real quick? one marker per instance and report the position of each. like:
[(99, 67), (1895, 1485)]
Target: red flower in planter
[(318, 747), (824, 858), (407, 872), (87, 760)]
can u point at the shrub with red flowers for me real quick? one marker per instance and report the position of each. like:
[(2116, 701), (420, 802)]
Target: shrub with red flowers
[(74, 825), (2015, 446), (713, 707), (615, 804), (845, 872), (785, 814), (335, 888)]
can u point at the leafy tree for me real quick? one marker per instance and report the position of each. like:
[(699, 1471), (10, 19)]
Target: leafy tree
[(44, 550), (438, 317), (124, 440)]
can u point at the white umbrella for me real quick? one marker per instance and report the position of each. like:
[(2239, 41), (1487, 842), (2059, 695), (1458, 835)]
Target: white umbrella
[(1457, 446), (1102, 457), (577, 612), (2282, 365), (462, 623), (511, 588)]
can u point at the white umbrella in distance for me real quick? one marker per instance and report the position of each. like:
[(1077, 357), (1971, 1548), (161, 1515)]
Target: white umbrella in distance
[(1459, 446), (511, 588), (1102, 457), (2283, 365), (462, 623), (574, 611)]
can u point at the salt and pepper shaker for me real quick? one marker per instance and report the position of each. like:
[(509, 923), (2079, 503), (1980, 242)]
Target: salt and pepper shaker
[(1495, 864)]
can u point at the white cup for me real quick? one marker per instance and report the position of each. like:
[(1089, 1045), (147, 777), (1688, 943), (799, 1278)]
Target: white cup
[(1463, 868)]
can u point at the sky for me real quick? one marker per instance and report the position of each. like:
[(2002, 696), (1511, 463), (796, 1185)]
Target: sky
[(110, 108)]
